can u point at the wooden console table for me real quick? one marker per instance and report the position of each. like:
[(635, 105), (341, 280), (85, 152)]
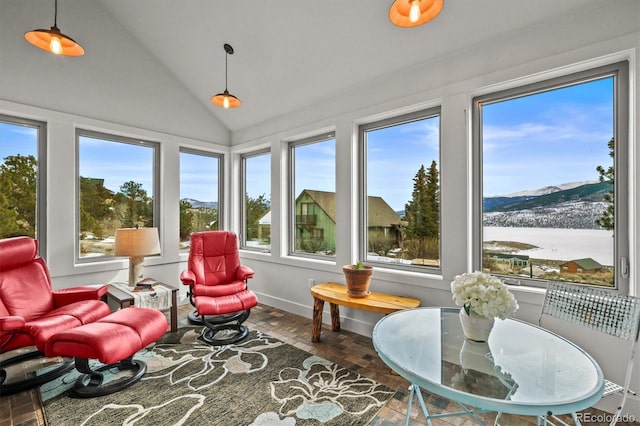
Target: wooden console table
[(336, 295)]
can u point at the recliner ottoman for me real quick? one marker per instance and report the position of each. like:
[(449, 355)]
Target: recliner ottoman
[(112, 340)]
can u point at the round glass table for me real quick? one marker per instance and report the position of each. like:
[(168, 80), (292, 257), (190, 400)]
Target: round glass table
[(522, 369)]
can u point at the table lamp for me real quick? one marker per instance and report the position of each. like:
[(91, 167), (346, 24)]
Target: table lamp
[(136, 243)]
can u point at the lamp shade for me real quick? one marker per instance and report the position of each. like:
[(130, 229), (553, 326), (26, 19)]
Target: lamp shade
[(54, 41), (226, 100), (401, 13), (137, 242)]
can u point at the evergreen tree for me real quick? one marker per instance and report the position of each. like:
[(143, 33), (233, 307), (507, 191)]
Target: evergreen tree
[(255, 209), (139, 205), (186, 216), (18, 179), (422, 213), (432, 222), (607, 220)]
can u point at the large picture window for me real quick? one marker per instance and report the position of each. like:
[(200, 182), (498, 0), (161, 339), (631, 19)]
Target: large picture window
[(313, 196), (401, 191), (552, 175), (256, 204), (22, 183), (200, 189), (117, 181)]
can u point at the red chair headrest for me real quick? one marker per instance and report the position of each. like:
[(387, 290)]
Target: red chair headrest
[(17, 251)]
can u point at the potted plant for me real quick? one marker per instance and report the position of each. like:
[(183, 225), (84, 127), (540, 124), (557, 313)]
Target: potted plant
[(358, 277)]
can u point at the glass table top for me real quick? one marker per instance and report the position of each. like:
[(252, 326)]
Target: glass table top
[(522, 368)]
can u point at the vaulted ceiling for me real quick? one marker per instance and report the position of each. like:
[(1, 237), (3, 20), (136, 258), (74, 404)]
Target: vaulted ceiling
[(292, 53)]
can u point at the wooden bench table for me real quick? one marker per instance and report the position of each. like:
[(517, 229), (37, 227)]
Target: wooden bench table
[(336, 295)]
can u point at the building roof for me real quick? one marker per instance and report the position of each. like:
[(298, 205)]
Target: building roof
[(380, 214), (587, 263)]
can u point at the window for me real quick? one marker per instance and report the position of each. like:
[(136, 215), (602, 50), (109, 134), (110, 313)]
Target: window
[(256, 207), (546, 155), (200, 190), (401, 183), (22, 178), (117, 181), (313, 196)]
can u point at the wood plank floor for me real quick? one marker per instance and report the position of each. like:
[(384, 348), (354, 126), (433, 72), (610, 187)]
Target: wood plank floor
[(344, 348)]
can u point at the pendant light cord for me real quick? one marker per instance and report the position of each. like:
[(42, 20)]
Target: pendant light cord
[(55, 14), (226, 60)]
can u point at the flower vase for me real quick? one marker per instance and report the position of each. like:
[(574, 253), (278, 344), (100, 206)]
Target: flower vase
[(476, 356), (475, 327)]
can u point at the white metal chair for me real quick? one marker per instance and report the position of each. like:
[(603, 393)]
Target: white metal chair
[(601, 310)]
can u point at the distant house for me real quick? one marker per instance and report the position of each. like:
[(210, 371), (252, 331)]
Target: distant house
[(512, 260), (316, 219), (581, 266)]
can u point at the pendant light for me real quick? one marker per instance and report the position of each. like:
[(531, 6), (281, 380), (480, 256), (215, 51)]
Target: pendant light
[(226, 99), (53, 40), (411, 13)]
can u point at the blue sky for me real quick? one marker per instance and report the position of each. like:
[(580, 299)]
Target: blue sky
[(528, 143), (551, 138)]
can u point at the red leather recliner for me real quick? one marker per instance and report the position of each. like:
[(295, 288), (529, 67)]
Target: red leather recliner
[(31, 312), (218, 286)]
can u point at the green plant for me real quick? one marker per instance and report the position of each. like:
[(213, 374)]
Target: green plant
[(357, 265)]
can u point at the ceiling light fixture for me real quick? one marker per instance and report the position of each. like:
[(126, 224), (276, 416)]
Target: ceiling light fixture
[(226, 99), (53, 40), (411, 13)]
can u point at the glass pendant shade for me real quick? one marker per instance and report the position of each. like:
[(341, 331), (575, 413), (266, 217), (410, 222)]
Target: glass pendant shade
[(54, 41), (412, 13)]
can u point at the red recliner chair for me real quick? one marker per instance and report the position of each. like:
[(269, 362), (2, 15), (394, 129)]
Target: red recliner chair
[(31, 312), (218, 286)]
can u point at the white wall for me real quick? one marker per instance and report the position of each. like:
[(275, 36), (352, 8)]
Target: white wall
[(128, 93), (570, 43)]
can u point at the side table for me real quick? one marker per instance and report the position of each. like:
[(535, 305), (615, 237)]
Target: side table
[(336, 294), (125, 299)]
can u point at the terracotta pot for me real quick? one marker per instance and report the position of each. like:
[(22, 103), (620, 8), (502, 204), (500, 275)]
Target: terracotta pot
[(358, 280)]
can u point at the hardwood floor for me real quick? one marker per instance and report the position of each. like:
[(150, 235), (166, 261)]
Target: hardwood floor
[(344, 348)]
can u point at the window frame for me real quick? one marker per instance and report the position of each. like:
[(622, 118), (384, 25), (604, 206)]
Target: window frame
[(423, 114), (41, 176), (220, 158), (113, 138), (621, 109), (291, 199), (243, 199)]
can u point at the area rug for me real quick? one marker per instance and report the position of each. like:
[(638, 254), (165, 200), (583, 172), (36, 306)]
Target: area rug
[(259, 381)]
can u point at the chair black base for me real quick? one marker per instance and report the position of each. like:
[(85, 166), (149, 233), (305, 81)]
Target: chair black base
[(195, 318), (89, 384), (32, 381), (230, 322)]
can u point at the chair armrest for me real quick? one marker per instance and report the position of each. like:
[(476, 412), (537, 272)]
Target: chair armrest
[(187, 277), (66, 296), (11, 322), (244, 273)]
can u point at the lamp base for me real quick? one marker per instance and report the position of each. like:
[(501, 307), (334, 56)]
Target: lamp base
[(136, 270)]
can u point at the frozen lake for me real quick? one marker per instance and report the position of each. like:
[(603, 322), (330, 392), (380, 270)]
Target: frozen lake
[(558, 244)]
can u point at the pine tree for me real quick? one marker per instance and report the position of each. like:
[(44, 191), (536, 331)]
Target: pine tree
[(607, 220), (422, 213), (18, 177)]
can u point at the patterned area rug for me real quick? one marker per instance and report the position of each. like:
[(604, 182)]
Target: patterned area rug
[(259, 381)]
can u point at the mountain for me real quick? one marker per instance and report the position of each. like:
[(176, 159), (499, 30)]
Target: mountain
[(196, 204), (549, 189), (575, 207)]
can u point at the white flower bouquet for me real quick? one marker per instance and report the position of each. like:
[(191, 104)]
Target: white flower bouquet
[(483, 294)]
